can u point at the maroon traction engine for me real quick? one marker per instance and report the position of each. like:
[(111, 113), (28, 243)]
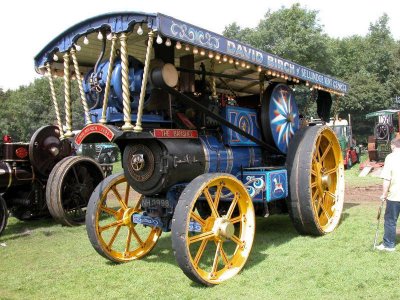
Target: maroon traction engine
[(42, 178)]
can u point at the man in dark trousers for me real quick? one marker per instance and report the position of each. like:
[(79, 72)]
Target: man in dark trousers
[(391, 193)]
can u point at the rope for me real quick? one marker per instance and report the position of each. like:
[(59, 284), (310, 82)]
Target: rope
[(55, 103), (108, 80), (138, 126), (67, 95), (80, 85)]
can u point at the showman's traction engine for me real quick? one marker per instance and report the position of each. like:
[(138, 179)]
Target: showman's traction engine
[(210, 137)]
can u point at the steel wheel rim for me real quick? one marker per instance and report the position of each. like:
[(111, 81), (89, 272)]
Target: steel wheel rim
[(136, 244), (245, 220), (327, 181)]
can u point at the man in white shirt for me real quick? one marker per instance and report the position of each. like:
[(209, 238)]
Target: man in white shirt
[(391, 192)]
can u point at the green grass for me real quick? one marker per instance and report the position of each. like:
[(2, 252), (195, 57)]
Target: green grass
[(43, 260), (117, 167), (353, 180)]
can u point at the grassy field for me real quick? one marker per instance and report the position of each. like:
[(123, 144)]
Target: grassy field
[(43, 260), (353, 180)]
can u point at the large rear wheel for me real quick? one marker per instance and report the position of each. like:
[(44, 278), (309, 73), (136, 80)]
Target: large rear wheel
[(316, 176), (109, 222), (70, 184), (213, 247)]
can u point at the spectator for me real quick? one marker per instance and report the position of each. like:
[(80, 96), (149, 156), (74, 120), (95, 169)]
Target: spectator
[(391, 193)]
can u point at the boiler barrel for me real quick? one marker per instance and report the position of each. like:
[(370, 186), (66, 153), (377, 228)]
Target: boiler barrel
[(13, 176), (153, 166)]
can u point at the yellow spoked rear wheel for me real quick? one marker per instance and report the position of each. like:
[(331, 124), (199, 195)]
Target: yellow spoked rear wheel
[(109, 225), (316, 173), (213, 246)]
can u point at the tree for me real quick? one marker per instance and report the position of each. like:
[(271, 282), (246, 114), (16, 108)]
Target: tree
[(369, 64), (293, 33), (30, 107)]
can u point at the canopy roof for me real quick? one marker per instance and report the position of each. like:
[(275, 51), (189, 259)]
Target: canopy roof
[(235, 59), (384, 112)]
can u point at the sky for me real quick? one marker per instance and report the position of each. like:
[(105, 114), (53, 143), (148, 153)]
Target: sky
[(27, 26)]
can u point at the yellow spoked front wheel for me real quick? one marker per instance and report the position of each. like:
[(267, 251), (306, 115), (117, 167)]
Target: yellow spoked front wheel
[(109, 222), (316, 173), (213, 245)]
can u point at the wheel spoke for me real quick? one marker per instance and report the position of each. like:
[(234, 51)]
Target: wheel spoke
[(128, 240), (314, 197), (326, 151), (331, 171), (216, 258), (109, 211), (197, 218), (313, 172), (75, 174), (199, 237), (210, 201), (137, 204), (112, 240), (320, 203), (236, 219), (200, 252), (333, 196), (325, 211), (119, 198), (232, 206), (137, 237), (224, 256), (218, 195), (317, 155), (127, 189), (237, 241), (113, 224), (313, 184)]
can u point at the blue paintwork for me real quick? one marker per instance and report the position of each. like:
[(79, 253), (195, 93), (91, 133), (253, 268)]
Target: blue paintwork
[(283, 116), (226, 159), (114, 116), (194, 35), (187, 33), (194, 227), (146, 220), (116, 22), (245, 119), (115, 98), (265, 185)]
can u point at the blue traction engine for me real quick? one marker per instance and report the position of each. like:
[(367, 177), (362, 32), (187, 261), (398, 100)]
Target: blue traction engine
[(209, 134), (172, 157)]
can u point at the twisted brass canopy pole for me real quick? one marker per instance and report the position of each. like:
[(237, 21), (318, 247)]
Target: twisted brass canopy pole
[(126, 96), (138, 126), (80, 85), (103, 119), (54, 98), (67, 96)]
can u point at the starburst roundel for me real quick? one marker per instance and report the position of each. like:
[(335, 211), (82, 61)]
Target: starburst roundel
[(279, 116)]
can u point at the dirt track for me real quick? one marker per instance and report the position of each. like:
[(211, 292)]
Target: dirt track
[(362, 194)]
